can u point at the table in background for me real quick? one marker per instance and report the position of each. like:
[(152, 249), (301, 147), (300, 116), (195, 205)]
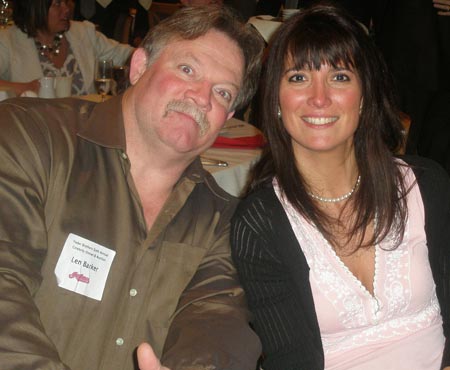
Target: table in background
[(234, 177), (266, 25)]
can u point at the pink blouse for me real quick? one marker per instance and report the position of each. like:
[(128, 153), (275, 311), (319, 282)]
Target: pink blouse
[(400, 326)]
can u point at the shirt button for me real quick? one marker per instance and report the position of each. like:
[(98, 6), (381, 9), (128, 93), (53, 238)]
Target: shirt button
[(124, 155), (133, 292), (119, 341)]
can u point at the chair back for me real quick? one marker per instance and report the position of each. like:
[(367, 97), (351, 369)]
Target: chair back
[(159, 11), (124, 27)]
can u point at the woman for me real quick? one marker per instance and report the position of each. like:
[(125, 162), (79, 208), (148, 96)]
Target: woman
[(342, 248), (44, 41)]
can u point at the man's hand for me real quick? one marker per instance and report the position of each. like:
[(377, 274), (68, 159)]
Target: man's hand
[(147, 359), (443, 7)]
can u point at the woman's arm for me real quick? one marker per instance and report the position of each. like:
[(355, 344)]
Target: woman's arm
[(434, 185), (20, 87), (275, 297)]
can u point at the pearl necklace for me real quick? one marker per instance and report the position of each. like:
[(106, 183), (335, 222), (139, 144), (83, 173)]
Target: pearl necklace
[(52, 50), (338, 199)]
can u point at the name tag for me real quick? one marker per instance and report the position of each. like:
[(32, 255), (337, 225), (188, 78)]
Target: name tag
[(83, 267)]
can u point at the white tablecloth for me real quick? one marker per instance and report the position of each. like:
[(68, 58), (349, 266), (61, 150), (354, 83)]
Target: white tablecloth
[(265, 24), (234, 177)]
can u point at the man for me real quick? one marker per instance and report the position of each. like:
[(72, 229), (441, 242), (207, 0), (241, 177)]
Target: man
[(111, 232)]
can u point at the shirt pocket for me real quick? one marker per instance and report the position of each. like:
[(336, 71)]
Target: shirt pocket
[(177, 264)]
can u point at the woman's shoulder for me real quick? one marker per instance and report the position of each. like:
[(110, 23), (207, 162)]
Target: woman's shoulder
[(425, 169), (261, 203), (81, 27), (432, 179), (13, 33)]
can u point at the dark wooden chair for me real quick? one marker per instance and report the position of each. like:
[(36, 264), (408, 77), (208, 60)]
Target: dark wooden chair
[(124, 27), (159, 11)]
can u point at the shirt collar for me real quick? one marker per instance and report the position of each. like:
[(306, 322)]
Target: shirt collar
[(104, 126)]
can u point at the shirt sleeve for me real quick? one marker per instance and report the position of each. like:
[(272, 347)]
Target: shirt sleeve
[(106, 48), (434, 184), (23, 341), (276, 297), (210, 328)]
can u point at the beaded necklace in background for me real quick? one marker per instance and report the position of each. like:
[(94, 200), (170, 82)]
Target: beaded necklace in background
[(52, 50)]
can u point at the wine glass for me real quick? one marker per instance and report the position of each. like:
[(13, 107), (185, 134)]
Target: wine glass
[(121, 81), (6, 11), (103, 77)]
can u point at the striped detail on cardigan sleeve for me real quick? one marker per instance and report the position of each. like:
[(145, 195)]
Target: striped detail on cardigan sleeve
[(271, 293)]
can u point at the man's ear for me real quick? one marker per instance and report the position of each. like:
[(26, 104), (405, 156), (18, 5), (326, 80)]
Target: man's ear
[(230, 114), (138, 65)]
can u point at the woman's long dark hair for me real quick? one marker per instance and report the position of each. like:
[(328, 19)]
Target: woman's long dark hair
[(326, 34), (31, 15)]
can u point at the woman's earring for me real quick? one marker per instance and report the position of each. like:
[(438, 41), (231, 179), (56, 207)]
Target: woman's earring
[(360, 107), (279, 112)]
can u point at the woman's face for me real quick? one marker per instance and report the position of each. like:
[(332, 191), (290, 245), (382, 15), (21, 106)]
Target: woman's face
[(320, 109), (58, 16)]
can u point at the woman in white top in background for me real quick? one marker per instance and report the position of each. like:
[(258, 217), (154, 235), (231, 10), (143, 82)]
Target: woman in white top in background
[(44, 41), (343, 248)]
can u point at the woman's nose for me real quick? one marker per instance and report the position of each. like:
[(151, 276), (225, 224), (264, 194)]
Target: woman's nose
[(320, 94)]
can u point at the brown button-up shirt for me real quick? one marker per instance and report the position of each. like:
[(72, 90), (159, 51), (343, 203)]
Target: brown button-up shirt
[(63, 170)]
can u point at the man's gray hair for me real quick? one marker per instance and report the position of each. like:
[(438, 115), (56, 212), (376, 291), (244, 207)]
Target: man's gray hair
[(190, 23)]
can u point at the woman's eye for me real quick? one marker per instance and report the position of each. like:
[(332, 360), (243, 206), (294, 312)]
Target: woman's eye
[(297, 78), (341, 77)]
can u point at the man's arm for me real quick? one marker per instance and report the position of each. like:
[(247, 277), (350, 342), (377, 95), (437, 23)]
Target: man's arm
[(23, 242), (210, 326), (442, 7)]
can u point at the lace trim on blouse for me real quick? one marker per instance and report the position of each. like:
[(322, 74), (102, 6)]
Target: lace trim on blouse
[(349, 316)]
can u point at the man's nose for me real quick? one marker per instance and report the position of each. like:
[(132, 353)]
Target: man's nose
[(200, 93)]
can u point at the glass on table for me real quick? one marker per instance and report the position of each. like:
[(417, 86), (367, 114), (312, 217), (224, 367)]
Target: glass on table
[(121, 79), (103, 77)]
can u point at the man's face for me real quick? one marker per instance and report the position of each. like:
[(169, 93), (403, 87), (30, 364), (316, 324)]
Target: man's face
[(183, 99)]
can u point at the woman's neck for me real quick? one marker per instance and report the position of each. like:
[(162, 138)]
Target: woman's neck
[(328, 175), (45, 37)]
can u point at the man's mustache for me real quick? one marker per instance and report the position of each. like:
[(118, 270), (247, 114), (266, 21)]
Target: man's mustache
[(190, 109)]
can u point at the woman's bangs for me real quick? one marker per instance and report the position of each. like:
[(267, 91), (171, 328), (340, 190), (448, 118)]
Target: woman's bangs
[(316, 50)]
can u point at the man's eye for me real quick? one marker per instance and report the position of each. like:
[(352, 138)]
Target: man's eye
[(186, 69), (225, 94)]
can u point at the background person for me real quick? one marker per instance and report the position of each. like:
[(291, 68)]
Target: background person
[(111, 232), (44, 41), (341, 247)]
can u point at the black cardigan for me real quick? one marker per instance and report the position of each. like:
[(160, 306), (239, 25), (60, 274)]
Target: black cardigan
[(275, 274)]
